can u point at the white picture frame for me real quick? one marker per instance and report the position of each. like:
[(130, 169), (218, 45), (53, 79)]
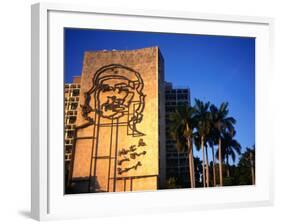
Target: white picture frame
[(48, 201)]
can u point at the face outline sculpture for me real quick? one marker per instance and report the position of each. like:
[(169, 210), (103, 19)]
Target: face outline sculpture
[(117, 92), (115, 96)]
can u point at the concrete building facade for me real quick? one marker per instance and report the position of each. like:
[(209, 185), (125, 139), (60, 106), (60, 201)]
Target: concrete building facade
[(120, 122), (71, 102)]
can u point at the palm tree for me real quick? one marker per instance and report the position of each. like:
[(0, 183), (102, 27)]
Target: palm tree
[(212, 139), (230, 147), (221, 122), (181, 128), (247, 161), (252, 161), (198, 170), (207, 165), (203, 126)]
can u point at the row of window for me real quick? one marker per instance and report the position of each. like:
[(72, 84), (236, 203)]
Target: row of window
[(73, 92), (68, 156), (174, 155), (71, 106), (68, 148), (68, 141), (174, 91), (176, 103), (71, 85), (76, 99), (175, 97), (69, 126), (71, 112), (182, 159), (70, 119), (70, 134)]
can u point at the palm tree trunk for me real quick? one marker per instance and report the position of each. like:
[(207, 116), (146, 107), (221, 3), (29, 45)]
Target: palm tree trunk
[(227, 164), (190, 170), (207, 169), (252, 168), (203, 162), (253, 175), (214, 167), (192, 162), (220, 163), (190, 157)]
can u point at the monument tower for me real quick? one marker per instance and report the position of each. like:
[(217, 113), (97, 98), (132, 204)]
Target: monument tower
[(118, 141)]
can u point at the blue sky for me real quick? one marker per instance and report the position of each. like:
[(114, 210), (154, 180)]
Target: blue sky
[(215, 68)]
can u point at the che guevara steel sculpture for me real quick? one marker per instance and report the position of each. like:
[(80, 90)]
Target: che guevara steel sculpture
[(115, 99)]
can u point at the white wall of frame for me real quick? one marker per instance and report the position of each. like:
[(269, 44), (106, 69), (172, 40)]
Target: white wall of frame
[(15, 87)]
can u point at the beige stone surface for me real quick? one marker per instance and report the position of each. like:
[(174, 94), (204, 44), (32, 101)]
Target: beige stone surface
[(99, 147)]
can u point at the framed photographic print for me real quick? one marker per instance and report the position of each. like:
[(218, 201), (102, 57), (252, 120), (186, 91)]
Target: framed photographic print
[(147, 111)]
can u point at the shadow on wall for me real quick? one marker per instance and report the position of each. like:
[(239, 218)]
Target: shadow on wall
[(81, 185)]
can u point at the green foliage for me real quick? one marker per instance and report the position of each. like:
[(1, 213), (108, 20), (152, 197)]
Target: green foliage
[(181, 125), (202, 118), (228, 181), (190, 124), (246, 162), (220, 119), (230, 147), (171, 183), (198, 171), (246, 158), (174, 182)]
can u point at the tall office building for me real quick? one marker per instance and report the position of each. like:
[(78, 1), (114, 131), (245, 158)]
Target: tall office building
[(71, 100), (176, 162)]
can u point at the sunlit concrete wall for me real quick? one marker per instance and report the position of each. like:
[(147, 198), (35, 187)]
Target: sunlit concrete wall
[(121, 122)]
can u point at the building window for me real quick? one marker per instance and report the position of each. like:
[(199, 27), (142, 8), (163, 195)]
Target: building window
[(75, 92), (74, 106), (72, 119)]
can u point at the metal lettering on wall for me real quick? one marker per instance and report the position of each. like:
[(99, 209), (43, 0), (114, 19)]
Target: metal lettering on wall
[(115, 100)]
